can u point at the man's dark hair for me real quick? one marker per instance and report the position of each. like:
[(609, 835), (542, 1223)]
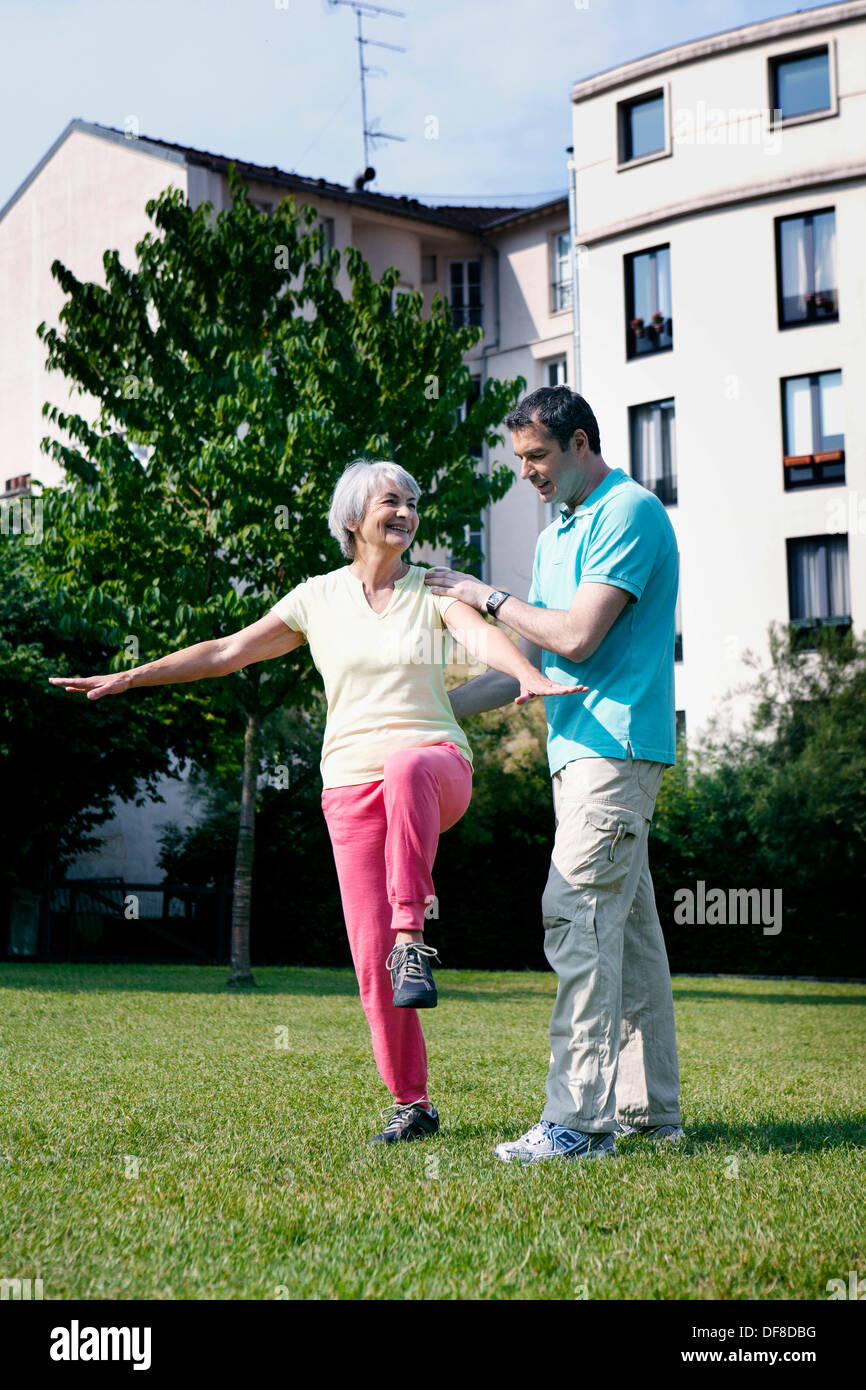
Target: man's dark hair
[(561, 411)]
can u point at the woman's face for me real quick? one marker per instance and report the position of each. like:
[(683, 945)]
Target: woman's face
[(391, 519)]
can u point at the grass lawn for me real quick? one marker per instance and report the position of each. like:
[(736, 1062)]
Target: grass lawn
[(161, 1137)]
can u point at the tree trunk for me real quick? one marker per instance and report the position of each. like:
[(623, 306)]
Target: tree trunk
[(241, 973)]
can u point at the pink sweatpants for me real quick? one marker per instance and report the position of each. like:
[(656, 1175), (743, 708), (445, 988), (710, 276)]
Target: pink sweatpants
[(385, 836)]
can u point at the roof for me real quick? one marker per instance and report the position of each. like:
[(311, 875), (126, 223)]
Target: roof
[(746, 36), (469, 218)]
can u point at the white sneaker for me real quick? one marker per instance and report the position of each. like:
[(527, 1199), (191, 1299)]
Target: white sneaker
[(546, 1140), (657, 1134)]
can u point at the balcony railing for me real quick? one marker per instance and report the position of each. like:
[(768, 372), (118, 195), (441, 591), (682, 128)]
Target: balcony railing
[(465, 315), (804, 630), (561, 295), (812, 470), (653, 335), (810, 308)]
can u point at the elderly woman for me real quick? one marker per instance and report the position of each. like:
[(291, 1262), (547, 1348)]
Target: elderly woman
[(396, 766)]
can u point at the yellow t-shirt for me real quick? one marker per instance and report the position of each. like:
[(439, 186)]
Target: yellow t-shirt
[(383, 672)]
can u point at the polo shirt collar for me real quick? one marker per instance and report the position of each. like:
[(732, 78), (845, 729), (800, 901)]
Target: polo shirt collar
[(566, 517)]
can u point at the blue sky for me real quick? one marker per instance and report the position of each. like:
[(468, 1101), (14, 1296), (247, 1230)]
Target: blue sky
[(276, 81)]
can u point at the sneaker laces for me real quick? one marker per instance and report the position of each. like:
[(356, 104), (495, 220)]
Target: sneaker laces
[(398, 1113), (399, 959)]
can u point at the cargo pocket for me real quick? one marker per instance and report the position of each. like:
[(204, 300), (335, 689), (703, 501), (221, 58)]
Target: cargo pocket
[(565, 936), (596, 847)]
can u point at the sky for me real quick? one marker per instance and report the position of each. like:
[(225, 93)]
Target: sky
[(481, 94)]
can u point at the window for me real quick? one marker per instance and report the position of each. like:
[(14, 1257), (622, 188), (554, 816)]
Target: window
[(818, 593), (397, 291), (556, 372), (327, 226), (429, 270), (17, 487), (806, 268), (465, 293), (649, 322), (642, 127), (800, 84), (813, 430), (653, 449), (474, 537), (681, 724), (678, 628), (475, 450), (562, 296)]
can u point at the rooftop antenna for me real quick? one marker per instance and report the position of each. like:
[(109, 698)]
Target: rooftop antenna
[(364, 10)]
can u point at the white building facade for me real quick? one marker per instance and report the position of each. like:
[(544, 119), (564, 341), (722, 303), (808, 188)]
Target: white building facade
[(721, 219)]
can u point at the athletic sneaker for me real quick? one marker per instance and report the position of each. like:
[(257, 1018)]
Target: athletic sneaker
[(412, 977), (657, 1134), (408, 1122), (546, 1140)]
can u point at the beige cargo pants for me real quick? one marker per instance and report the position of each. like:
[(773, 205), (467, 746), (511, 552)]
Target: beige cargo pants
[(613, 1050)]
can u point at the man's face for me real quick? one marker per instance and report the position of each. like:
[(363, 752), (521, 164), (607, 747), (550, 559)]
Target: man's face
[(557, 475)]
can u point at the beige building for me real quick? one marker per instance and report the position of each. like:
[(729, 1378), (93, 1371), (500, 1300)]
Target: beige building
[(721, 201)]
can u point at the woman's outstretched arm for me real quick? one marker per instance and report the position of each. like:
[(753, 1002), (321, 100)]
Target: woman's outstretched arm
[(490, 645), (261, 641)]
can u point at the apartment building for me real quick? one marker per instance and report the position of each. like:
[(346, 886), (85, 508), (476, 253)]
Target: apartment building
[(721, 204)]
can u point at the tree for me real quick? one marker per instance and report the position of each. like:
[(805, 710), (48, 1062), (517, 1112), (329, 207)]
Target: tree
[(778, 805), (234, 381), (59, 787)]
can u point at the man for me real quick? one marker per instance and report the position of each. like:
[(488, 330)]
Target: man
[(600, 612)]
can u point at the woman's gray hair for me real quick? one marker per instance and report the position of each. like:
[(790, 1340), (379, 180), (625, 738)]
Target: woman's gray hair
[(352, 494)]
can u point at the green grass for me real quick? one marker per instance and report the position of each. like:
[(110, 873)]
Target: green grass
[(254, 1175)]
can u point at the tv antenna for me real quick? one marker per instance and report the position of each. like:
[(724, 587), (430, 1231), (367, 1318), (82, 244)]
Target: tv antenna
[(363, 11)]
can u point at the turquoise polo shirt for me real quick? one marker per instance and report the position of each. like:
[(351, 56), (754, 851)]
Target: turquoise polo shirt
[(620, 535)]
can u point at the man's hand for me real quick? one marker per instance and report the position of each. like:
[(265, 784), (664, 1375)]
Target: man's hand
[(453, 584)]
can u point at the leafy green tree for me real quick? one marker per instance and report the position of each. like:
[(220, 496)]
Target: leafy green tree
[(778, 804), (234, 379), (63, 766)]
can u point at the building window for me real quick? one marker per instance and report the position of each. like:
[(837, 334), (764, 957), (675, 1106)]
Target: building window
[(653, 449), (397, 291), (678, 628), (642, 127), (475, 538), (649, 321), (556, 372), (813, 430), (562, 296), (818, 593), (681, 725), (800, 84), (17, 487), (326, 226), (806, 268), (429, 270), (465, 294), (476, 450)]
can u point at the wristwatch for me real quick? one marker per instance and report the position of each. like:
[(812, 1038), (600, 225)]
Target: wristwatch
[(496, 600)]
